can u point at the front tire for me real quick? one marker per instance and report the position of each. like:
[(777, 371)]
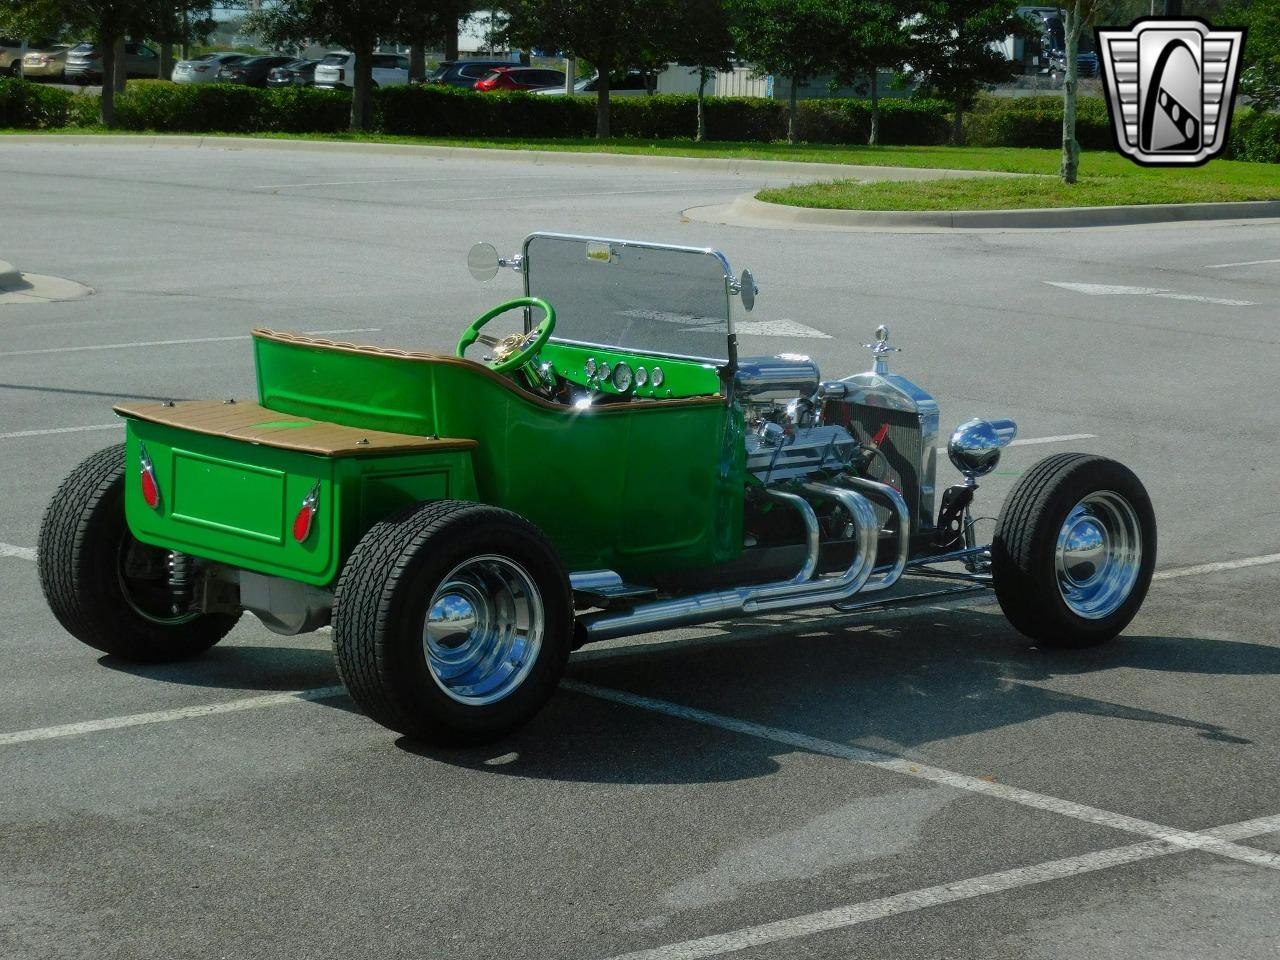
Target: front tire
[(107, 589), (1074, 550), (452, 622)]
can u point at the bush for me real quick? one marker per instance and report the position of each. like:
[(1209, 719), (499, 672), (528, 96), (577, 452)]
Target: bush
[(430, 111), (31, 106), (1037, 122), (1254, 136), (906, 122)]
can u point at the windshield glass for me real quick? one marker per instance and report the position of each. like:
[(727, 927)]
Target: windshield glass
[(645, 297)]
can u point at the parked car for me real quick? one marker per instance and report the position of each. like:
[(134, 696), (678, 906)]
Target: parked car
[(518, 78), (84, 62), (633, 84), (251, 71), (204, 68), (13, 50), (295, 73), (463, 73), (337, 71), (464, 521), (49, 63)]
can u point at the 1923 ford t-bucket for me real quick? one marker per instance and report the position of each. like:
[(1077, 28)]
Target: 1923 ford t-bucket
[(613, 469)]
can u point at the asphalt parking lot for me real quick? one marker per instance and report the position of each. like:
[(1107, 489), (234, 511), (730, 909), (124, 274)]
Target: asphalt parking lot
[(919, 783)]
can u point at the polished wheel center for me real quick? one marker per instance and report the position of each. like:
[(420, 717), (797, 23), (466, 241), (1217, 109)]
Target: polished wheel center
[(483, 630), (1099, 554), (1085, 551)]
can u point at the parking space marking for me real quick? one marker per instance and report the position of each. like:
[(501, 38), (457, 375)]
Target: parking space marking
[(1204, 568), (22, 553), (52, 430), (165, 716), (1117, 290), (1242, 263), (849, 916), (922, 771), (166, 343)]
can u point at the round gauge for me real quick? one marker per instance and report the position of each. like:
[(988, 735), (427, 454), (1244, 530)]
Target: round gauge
[(591, 366), (642, 376), (622, 378), (656, 376), (602, 370)]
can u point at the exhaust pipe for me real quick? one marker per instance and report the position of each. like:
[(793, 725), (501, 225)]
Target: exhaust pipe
[(802, 590)]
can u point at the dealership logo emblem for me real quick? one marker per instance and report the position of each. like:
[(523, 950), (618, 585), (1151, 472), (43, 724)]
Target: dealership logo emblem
[(1170, 87)]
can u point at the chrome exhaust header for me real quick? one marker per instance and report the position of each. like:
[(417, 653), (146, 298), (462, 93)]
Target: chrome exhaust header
[(802, 590)]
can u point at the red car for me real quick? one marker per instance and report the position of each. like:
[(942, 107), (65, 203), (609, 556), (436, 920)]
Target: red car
[(519, 78)]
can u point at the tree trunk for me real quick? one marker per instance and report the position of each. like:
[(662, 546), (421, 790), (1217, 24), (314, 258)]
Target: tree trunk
[(957, 127), (362, 88), (451, 40), (417, 62), (1070, 146), (108, 101), (704, 74), (874, 139), (602, 100), (121, 73), (166, 60), (791, 113)]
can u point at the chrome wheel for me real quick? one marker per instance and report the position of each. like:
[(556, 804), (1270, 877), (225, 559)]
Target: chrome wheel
[(1098, 555), (483, 631)]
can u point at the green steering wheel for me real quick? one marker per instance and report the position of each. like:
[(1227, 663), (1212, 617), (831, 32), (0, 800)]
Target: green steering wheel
[(513, 352)]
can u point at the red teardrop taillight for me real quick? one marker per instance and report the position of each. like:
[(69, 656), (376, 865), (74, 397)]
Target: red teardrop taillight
[(302, 522), (147, 478)]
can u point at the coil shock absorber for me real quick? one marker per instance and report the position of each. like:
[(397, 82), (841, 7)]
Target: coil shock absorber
[(180, 582)]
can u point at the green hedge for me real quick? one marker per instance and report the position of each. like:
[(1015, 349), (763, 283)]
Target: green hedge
[(230, 108), (30, 106), (449, 112), (1036, 122), (1255, 136)]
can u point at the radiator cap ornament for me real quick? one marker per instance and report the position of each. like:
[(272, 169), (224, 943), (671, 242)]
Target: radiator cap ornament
[(879, 349)]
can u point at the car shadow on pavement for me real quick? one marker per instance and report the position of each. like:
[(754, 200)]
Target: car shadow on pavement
[(242, 667), (891, 687)]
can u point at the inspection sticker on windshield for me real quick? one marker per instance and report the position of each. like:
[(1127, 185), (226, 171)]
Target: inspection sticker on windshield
[(1170, 85)]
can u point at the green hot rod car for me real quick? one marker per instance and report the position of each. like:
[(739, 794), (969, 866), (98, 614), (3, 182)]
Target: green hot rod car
[(614, 468)]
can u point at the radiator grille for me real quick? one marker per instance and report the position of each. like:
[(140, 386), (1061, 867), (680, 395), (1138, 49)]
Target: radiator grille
[(902, 450)]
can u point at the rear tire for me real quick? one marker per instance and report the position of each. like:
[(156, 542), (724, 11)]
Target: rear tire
[(452, 622), (84, 556), (1074, 550)]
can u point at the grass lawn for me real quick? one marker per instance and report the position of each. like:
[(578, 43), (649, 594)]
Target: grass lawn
[(1106, 177), (1003, 193)]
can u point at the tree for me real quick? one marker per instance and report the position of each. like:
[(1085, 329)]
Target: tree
[(795, 39), (106, 22), (700, 38), (613, 35), (1260, 77), (953, 51), (1076, 14), (873, 37)]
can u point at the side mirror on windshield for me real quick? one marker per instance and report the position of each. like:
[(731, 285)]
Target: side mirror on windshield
[(483, 261), (746, 289)]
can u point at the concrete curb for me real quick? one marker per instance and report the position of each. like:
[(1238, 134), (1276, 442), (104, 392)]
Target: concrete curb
[(784, 169), (748, 211)]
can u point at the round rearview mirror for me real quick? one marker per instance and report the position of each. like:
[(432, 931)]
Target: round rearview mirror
[(482, 261), (747, 290)]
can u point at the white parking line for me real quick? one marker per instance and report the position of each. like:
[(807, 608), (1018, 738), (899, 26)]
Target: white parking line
[(1204, 568), (22, 553), (849, 916), (921, 771), (1242, 263), (164, 716), (166, 343), (52, 430)]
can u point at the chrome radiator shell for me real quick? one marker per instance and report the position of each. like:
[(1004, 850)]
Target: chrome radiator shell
[(871, 400)]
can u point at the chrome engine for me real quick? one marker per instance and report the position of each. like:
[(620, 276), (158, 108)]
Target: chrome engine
[(876, 424)]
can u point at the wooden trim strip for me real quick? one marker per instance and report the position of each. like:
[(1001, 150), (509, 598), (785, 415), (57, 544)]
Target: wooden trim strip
[(252, 423)]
